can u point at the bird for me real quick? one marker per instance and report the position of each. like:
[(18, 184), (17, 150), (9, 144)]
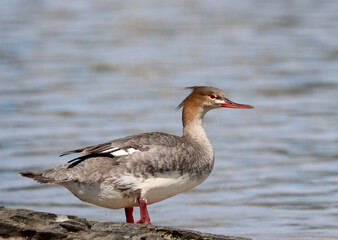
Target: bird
[(142, 169)]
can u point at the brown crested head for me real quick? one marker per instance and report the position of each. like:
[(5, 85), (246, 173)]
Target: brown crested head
[(203, 96), (201, 100), (209, 98)]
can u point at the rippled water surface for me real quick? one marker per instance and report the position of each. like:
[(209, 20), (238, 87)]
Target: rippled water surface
[(78, 73)]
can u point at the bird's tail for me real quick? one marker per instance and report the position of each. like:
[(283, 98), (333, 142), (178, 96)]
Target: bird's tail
[(37, 176)]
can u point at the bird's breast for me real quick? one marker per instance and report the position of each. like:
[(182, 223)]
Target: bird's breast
[(165, 185)]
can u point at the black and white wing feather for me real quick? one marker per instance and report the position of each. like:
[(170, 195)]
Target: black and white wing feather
[(124, 146)]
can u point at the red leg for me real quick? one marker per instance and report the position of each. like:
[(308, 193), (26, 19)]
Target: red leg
[(143, 212), (129, 214)]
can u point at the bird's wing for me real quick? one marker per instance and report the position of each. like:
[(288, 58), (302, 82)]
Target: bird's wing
[(109, 160), (124, 146)]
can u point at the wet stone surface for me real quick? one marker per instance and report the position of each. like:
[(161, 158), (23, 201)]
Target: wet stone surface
[(26, 224)]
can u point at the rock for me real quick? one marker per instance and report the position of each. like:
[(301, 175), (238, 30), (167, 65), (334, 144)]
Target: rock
[(27, 224)]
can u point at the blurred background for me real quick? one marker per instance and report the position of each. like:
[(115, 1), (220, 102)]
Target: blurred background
[(78, 73)]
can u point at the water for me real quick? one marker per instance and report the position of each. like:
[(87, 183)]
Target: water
[(77, 73)]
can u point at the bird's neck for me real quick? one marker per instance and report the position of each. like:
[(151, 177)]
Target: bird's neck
[(194, 130), (195, 135), (192, 118)]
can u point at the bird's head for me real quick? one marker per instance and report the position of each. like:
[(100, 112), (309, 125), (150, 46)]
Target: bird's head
[(209, 98)]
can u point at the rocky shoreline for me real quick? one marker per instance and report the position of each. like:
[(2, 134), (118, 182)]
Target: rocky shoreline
[(18, 223)]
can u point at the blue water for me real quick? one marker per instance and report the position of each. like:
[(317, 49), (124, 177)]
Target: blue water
[(78, 73)]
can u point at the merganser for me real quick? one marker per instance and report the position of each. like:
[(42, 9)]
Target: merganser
[(146, 168)]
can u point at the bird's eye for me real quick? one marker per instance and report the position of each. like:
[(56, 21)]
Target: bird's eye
[(212, 96)]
